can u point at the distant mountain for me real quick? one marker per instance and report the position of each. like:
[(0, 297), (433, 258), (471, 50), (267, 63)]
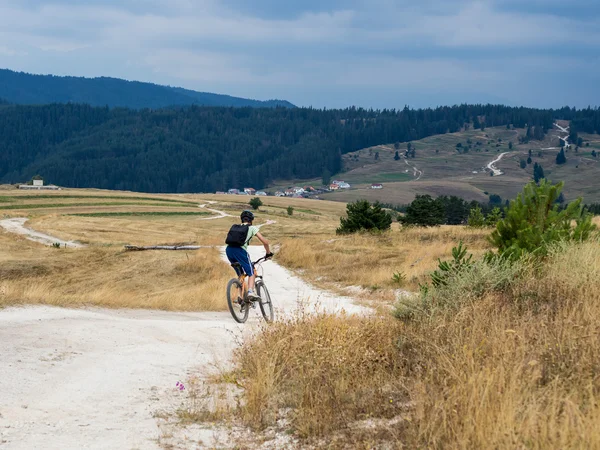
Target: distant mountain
[(28, 89)]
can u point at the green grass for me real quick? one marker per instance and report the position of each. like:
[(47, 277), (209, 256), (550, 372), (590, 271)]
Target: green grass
[(306, 211), (142, 213), (74, 205), (104, 197)]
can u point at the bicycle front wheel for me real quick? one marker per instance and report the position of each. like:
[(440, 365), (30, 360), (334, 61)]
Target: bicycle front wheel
[(235, 301), (266, 306)]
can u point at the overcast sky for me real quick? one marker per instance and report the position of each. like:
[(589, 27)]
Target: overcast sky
[(321, 53)]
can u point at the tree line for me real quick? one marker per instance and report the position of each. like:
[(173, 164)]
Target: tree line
[(204, 149)]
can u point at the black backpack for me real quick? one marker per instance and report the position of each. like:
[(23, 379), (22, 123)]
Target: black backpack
[(237, 235)]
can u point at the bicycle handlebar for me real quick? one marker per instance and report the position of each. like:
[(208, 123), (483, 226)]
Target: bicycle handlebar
[(264, 258)]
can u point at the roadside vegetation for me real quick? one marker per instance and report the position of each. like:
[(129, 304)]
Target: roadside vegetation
[(497, 350)]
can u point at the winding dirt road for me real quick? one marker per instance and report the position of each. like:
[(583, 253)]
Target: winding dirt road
[(94, 378), (492, 165), (17, 225)]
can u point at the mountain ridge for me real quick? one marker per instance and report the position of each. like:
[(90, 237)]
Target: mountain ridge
[(34, 89)]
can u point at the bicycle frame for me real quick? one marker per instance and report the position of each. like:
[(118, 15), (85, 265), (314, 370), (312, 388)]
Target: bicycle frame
[(243, 277)]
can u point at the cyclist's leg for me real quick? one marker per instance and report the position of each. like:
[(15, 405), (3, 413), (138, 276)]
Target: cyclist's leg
[(232, 254)]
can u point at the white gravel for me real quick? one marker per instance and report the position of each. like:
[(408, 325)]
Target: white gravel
[(93, 378)]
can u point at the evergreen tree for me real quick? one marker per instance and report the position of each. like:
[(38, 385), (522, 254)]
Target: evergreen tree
[(476, 218), (561, 158), (534, 221), (396, 156), (456, 210), (493, 217), (424, 211), (538, 173), (529, 160), (523, 164), (255, 203), (362, 216), (326, 177)]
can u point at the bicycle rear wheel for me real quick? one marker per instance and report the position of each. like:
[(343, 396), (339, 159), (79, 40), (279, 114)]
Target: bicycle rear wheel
[(235, 301), (266, 306)]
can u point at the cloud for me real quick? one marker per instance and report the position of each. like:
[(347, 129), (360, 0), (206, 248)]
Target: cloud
[(313, 51)]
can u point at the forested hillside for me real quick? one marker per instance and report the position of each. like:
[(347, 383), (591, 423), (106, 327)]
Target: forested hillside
[(28, 89), (199, 149)]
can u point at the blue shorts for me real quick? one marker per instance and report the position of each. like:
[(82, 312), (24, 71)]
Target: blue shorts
[(239, 255)]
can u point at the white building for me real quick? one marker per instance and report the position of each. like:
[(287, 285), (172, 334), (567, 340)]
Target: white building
[(377, 186), (39, 185), (261, 193)]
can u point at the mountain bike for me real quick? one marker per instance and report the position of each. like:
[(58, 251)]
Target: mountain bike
[(237, 294)]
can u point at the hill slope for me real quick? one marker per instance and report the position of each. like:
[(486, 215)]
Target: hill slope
[(459, 164), (28, 89), (204, 149)]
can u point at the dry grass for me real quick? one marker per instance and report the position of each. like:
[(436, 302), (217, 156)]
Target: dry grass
[(369, 261), (331, 370), (103, 275), (31, 273), (514, 369)]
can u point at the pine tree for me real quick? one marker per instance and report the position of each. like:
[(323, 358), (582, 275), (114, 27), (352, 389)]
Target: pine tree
[(396, 156), (534, 221), (561, 158), (255, 203), (424, 211), (361, 215), (538, 173), (476, 218)]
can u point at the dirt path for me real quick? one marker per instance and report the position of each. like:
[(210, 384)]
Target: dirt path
[(94, 378), (565, 139), (17, 225), (219, 214), (416, 172), (492, 165)]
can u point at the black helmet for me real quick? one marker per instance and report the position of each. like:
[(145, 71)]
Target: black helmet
[(247, 216)]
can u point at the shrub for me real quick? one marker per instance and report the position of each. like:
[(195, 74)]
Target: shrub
[(290, 210), (255, 203), (534, 220), (424, 211), (493, 217), (364, 216), (459, 281), (476, 218), (399, 278)]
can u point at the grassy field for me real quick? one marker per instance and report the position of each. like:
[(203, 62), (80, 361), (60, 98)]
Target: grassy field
[(512, 366), (103, 274)]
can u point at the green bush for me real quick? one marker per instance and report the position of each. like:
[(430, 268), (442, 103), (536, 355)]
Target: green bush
[(476, 218), (364, 216), (493, 217), (424, 211), (290, 210), (255, 203), (534, 220), (460, 281)]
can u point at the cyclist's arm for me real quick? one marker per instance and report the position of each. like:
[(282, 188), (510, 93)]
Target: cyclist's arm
[(262, 239)]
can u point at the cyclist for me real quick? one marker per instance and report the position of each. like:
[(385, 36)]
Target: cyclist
[(237, 248)]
